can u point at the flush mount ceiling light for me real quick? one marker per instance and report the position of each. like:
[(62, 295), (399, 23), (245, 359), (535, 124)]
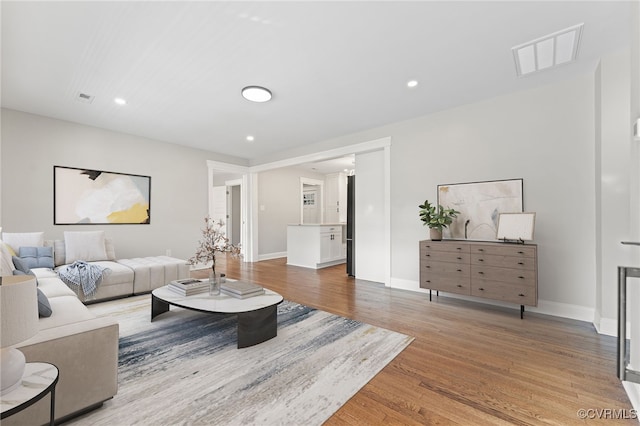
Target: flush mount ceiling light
[(120, 101), (412, 83), (250, 138), (549, 51), (256, 94)]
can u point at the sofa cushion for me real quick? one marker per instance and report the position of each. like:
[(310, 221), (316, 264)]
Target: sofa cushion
[(60, 257), (67, 310), (54, 287), (21, 266), (44, 308), (23, 239), (37, 257), (44, 273), (88, 246)]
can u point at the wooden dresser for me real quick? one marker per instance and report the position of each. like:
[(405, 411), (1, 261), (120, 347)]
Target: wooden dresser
[(499, 271)]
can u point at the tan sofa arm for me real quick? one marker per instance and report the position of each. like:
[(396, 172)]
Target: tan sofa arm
[(86, 354)]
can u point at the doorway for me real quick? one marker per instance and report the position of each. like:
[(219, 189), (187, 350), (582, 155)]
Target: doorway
[(311, 200)]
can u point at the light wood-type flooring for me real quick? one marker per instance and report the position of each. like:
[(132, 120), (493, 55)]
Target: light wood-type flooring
[(470, 363)]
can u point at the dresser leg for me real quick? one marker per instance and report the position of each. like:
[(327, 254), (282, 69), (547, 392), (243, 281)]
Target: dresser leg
[(429, 295), (521, 311)]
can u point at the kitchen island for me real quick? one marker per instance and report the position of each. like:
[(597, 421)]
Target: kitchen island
[(316, 245)]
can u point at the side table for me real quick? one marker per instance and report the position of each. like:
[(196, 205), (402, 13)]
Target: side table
[(39, 379)]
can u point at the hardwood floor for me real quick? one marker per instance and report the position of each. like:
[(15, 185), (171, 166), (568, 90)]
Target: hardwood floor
[(470, 363)]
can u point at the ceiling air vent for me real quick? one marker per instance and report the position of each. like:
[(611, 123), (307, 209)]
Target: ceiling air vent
[(547, 52), (83, 97)]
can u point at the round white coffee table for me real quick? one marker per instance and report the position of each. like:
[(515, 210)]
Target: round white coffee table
[(257, 315)]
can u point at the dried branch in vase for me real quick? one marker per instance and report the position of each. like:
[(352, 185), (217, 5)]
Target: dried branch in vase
[(213, 240)]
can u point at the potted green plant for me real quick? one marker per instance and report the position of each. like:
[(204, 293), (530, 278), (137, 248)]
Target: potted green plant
[(436, 218)]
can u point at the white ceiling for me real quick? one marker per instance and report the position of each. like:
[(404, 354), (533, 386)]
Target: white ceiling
[(334, 67)]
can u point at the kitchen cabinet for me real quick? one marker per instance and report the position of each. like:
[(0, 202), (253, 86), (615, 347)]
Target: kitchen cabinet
[(315, 246)]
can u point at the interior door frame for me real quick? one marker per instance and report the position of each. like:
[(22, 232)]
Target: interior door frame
[(319, 202)]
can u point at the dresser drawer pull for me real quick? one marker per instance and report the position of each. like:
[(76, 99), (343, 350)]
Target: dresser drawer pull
[(481, 289), (459, 258), (459, 286), (428, 255), (520, 263), (428, 281), (459, 270), (520, 252), (428, 246), (480, 249), (481, 273), (480, 260), (428, 267), (521, 295), (458, 248), (521, 277)]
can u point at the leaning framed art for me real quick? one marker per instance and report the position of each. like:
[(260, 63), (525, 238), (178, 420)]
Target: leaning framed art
[(97, 197), (480, 205)]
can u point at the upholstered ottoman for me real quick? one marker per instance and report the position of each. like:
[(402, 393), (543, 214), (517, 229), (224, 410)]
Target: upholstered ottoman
[(150, 273)]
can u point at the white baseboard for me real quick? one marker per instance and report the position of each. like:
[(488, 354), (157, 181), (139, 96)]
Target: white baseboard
[(546, 307), (633, 391), (270, 256)]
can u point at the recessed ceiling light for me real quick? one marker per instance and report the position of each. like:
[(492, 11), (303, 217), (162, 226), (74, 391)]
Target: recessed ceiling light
[(250, 138), (549, 51), (412, 83), (256, 94), (120, 101)]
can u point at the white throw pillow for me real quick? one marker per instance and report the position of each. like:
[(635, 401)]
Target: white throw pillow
[(23, 239), (88, 246)]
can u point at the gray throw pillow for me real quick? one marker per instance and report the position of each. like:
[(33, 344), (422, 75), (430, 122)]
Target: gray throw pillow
[(44, 307), (21, 266), (37, 257)]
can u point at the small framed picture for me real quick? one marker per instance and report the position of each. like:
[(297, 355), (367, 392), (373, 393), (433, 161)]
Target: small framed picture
[(516, 226)]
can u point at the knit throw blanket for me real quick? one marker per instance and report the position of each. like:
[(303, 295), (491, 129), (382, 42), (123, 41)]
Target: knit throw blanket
[(84, 276)]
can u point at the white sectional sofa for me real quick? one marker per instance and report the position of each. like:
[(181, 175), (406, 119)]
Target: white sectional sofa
[(82, 346)]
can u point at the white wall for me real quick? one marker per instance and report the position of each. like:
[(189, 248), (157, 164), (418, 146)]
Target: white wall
[(612, 167), (370, 217), (633, 389), (543, 135), (32, 145), (279, 204)]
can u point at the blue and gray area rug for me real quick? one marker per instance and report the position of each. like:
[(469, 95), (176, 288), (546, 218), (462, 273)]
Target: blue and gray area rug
[(185, 368)]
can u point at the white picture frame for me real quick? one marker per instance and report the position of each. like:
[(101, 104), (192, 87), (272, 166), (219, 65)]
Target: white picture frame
[(516, 226)]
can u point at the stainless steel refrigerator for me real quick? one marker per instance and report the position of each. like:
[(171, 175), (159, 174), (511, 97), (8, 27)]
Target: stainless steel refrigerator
[(351, 230)]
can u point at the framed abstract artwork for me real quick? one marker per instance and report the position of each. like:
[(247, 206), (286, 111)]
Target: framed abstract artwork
[(480, 205), (96, 197)]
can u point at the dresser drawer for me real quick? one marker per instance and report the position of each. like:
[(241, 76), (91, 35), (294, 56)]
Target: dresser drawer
[(506, 292), (444, 268), (504, 250), (449, 284), (445, 256), (515, 276), (450, 246), (504, 261)]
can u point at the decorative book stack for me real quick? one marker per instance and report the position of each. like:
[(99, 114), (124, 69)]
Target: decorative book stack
[(189, 286), (241, 289)]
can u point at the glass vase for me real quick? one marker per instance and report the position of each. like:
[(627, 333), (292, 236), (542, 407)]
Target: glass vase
[(214, 284)]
